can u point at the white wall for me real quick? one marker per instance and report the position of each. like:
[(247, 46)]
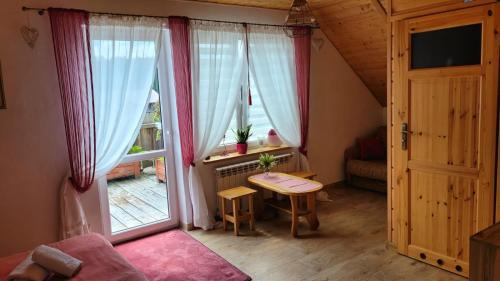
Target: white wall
[(33, 153), (341, 109)]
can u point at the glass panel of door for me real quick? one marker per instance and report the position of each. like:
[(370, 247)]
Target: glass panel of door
[(138, 193)]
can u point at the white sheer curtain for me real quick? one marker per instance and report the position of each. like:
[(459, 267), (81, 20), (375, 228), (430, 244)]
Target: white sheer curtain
[(217, 65), (272, 67), (124, 52), (72, 216)]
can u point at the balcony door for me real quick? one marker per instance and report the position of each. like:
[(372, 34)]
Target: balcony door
[(140, 190)]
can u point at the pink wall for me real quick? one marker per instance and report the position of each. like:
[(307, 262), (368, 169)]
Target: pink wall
[(33, 153), (32, 142)]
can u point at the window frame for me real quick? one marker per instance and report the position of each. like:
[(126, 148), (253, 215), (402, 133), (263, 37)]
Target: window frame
[(242, 110), (167, 103)]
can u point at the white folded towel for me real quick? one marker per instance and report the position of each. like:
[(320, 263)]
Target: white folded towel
[(29, 271), (54, 260)]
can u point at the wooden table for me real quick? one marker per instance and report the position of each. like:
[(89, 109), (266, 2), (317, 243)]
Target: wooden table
[(294, 187)]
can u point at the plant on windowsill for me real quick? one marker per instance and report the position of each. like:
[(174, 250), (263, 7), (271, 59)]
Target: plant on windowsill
[(267, 162), (127, 169), (242, 136)]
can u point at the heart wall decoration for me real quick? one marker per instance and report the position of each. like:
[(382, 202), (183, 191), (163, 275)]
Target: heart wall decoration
[(30, 35), (317, 43)]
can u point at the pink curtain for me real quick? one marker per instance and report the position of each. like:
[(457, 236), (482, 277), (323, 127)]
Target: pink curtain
[(179, 32), (302, 67), (70, 35)]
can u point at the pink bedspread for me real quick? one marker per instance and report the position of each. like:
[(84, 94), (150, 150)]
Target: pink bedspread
[(100, 260)]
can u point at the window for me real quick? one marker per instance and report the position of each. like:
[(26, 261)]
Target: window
[(257, 116), (447, 47), (249, 114), (243, 113), (233, 126), (150, 137), (137, 190)]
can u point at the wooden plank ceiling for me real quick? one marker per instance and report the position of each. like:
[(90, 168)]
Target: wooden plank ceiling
[(357, 28)]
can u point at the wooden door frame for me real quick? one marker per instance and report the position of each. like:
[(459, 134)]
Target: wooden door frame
[(398, 222), (399, 109), (496, 66), (392, 19), (435, 8), (389, 105)]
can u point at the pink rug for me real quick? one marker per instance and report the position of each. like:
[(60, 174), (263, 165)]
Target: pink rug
[(176, 256)]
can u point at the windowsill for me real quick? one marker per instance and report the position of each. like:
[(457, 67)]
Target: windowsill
[(251, 152)]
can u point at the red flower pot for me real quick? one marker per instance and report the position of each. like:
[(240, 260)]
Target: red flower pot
[(242, 148)]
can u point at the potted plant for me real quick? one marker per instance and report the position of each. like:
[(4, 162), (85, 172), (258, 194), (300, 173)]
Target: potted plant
[(242, 136), (127, 169), (267, 162)]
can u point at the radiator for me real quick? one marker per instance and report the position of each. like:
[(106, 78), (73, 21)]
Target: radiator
[(236, 175)]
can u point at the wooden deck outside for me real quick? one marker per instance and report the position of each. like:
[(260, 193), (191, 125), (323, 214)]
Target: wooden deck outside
[(136, 202)]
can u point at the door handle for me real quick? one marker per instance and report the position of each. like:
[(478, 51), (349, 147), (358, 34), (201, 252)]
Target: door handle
[(404, 136)]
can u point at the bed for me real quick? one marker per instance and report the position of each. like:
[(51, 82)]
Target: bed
[(100, 260)]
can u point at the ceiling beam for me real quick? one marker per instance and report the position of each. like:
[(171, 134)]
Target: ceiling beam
[(379, 8)]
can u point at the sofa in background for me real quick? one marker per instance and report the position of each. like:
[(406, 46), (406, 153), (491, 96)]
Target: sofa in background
[(365, 162)]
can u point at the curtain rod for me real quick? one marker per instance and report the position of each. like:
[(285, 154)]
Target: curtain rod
[(41, 11)]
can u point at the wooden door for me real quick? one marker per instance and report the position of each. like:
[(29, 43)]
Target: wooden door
[(443, 178)]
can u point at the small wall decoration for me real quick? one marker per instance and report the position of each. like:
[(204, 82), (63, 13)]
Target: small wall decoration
[(29, 33), (3, 104), (317, 43)]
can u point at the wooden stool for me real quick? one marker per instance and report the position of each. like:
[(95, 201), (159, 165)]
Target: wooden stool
[(235, 195), (304, 174)]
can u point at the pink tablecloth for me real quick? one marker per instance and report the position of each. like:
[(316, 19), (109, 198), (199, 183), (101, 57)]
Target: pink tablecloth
[(287, 182), (100, 260)]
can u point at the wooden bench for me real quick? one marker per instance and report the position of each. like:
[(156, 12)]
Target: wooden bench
[(304, 174)]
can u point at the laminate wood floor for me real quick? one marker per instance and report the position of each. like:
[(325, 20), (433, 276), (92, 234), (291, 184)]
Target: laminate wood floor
[(349, 245)]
